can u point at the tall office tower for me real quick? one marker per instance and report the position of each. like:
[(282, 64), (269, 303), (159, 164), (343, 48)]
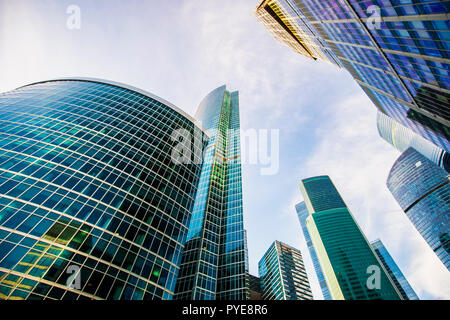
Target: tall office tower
[(402, 138), (400, 282), (255, 288), (422, 190), (92, 205), (303, 214), (283, 275), (214, 264), (346, 258), (398, 52)]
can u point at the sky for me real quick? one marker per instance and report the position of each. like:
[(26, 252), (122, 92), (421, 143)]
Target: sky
[(181, 50)]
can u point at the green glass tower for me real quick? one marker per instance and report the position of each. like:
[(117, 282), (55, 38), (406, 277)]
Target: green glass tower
[(214, 263), (351, 268)]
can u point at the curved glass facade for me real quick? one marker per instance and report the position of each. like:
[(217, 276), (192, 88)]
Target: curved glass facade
[(422, 190), (91, 204), (401, 138)]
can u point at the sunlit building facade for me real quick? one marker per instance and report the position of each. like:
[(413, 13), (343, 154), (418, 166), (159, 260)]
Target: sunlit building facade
[(402, 138), (397, 51), (303, 214), (283, 275), (215, 260), (91, 204), (345, 256), (422, 189), (400, 282)]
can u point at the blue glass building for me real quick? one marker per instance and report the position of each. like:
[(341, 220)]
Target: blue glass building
[(402, 138), (303, 214), (394, 271), (215, 262), (397, 51), (344, 254), (88, 189), (422, 190), (283, 274)]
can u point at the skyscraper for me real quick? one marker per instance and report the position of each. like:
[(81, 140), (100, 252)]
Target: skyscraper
[(397, 51), (402, 138), (346, 258), (422, 190), (400, 282), (303, 214), (89, 188), (283, 275), (214, 264)]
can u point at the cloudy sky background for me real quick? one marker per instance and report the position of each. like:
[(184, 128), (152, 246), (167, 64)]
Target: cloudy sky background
[(180, 51)]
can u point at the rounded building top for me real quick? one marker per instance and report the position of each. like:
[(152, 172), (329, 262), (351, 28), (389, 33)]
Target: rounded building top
[(128, 87)]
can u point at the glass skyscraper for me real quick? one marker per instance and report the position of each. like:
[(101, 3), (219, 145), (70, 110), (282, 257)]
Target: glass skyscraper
[(215, 262), (422, 190), (91, 204), (401, 138), (397, 51), (283, 274), (303, 214), (402, 285), (345, 256)]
